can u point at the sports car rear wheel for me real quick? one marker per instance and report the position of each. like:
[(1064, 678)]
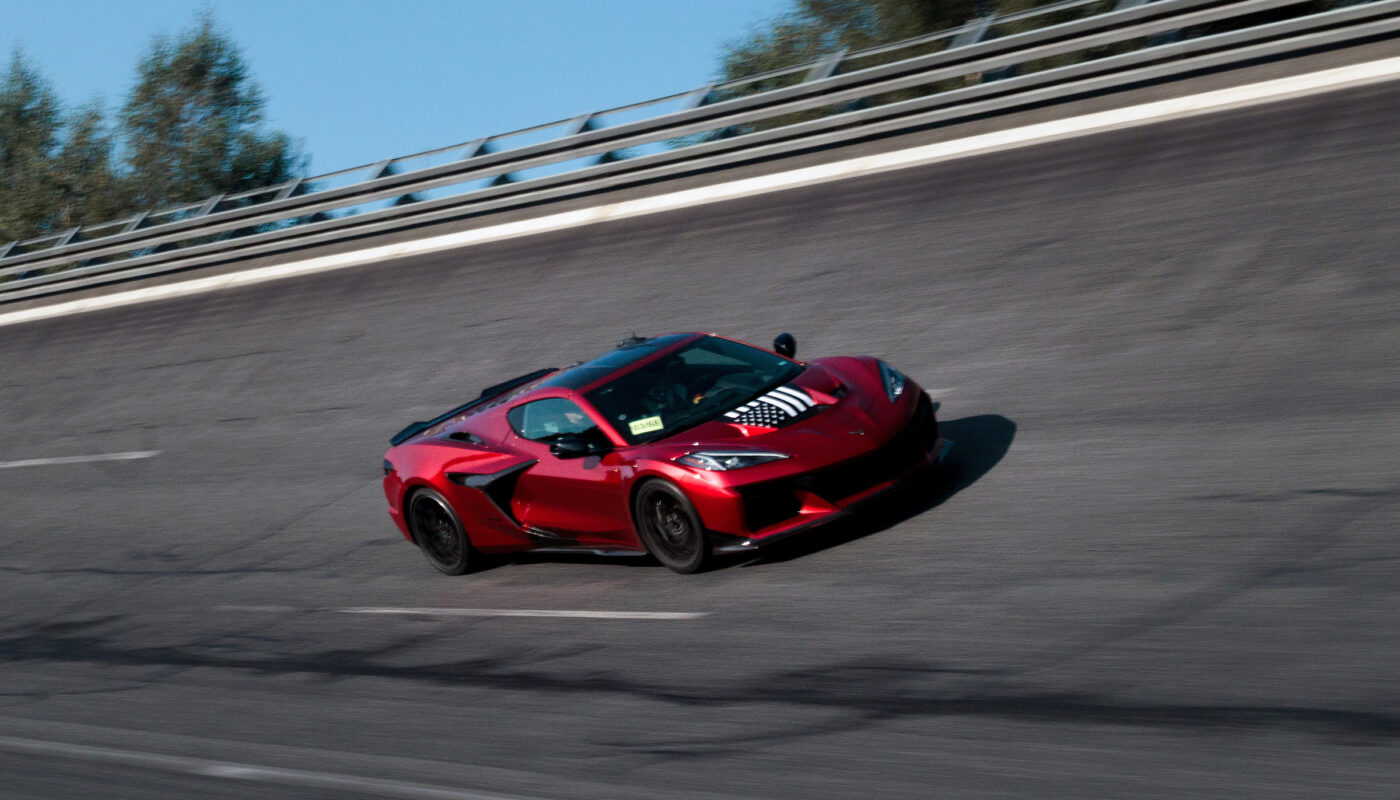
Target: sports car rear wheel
[(669, 527), (438, 532)]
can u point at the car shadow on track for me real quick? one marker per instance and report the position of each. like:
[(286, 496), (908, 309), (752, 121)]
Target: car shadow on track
[(979, 444)]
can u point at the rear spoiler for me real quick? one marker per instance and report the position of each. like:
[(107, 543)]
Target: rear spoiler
[(489, 393)]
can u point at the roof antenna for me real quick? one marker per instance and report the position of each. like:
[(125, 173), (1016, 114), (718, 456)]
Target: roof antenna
[(631, 341)]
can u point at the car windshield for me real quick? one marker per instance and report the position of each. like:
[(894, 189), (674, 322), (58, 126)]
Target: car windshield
[(687, 387)]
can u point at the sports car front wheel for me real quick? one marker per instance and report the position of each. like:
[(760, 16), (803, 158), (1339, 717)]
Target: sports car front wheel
[(438, 532), (669, 527)]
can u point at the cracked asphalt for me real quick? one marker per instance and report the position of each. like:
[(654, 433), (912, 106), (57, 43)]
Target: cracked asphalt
[(1162, 562)]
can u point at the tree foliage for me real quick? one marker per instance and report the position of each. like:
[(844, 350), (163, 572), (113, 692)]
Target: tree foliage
[(192, 123), (29, 137), (820, 27), (190, 129), (90, 189)]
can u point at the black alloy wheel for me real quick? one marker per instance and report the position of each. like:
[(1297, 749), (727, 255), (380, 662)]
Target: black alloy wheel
[(669, 527), (438, 532)]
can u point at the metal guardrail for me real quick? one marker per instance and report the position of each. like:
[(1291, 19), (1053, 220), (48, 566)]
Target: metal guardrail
[(933, 79)]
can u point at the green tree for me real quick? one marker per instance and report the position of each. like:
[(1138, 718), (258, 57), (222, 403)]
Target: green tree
[(29, 135), (820, 27), (90, 190), (192, 125)]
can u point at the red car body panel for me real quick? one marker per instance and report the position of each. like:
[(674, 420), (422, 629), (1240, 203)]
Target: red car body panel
[(856, 445)]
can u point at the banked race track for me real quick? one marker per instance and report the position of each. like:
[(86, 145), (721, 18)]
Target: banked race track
[(1163, 562)]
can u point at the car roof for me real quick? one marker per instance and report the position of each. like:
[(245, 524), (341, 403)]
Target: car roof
[(630, 353)]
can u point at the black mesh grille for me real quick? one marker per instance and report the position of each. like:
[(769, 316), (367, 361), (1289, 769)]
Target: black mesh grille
[(769, 503)]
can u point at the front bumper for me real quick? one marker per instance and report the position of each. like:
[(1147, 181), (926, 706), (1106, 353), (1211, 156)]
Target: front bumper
[(800, 505)]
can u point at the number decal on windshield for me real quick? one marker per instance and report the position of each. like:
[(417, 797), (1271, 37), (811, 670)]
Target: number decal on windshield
[(645, 425)]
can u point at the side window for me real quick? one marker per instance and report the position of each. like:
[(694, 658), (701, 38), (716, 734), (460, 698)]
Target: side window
[(545, 419)]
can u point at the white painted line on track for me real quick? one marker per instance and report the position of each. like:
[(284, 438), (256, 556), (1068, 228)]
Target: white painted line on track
[(246, 772), (47, 462), (567, 613), (1040, 133), (526, 612)]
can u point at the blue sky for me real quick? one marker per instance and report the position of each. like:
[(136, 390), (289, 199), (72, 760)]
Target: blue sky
[(361, 80)]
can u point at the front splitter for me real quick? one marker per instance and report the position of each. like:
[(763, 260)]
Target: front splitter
[(750, 545)]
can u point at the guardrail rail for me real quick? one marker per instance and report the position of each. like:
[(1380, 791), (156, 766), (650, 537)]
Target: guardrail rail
[(990, 64)]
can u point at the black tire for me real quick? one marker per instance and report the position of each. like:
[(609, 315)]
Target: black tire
[(669, 527), (438, 533)]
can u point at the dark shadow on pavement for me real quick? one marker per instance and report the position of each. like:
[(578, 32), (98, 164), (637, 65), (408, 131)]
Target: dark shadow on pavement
[(850, 695), (979, 443), (565, 557)]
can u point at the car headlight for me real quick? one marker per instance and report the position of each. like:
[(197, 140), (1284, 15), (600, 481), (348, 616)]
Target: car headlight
[(893, 380), (720, 461)]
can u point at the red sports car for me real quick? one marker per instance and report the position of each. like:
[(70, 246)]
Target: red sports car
[(681, 446)]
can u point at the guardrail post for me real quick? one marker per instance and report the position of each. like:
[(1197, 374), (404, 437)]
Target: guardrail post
[(579, 124), (826, 67), (698, 97), (482, 147), (477, 148), (972, 31), (585, 123), (288, 189), (1156, 38), (62, 240), (132, 224), (384, 169), (208, 206), (135, 222)]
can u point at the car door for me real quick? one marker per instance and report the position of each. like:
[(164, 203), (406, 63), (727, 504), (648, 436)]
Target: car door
[(577, 499)]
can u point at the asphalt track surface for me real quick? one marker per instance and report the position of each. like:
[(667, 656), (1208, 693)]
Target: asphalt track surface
[(1163, 562)]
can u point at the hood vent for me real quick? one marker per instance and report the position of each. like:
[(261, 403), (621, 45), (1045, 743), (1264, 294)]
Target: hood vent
[(776, 409)]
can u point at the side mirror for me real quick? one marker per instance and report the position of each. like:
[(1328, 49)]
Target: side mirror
[(570, 445), (785, 345)]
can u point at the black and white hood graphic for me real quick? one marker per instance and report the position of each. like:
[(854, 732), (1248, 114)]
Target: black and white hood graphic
[(772, 410)]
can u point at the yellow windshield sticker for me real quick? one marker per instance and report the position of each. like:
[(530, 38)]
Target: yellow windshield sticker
[(645, 425)]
